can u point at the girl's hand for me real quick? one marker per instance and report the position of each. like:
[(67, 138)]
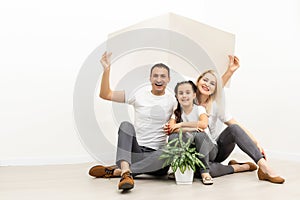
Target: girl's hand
[(174, 127), (200, 130)]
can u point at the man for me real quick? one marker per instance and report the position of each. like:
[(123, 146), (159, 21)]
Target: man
[(139, 146)]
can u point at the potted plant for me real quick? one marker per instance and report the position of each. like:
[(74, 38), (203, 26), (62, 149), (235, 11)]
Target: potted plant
[(183, 159)]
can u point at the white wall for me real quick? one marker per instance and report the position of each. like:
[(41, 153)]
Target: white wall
[(43, 45)]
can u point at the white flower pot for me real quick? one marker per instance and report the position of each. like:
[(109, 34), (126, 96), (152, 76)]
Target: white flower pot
[(184, 178)]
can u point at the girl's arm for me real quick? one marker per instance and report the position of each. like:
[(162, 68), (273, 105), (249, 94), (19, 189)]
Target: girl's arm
[(200, 125), (173, 127)]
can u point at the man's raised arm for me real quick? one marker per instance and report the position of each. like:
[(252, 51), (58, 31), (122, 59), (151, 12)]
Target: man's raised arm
[(105, 91)]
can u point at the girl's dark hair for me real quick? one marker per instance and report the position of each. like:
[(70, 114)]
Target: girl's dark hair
[(178, 111)]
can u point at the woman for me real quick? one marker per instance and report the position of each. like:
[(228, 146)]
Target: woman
[(207, 84), (191, 118)]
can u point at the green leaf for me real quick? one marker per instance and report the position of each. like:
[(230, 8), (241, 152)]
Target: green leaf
[(172, 141), (182, 168), (177, 142), (175, 166), (179, 154), (191, 150), (180, 138), (199, 163), (163, 156), (187, 145), (193, 167), (189, 156)]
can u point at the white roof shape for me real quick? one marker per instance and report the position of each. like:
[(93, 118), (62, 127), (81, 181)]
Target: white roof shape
[(196, 44)]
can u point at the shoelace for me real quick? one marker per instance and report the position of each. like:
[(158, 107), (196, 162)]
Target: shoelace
[(108, 173), (127, 174)]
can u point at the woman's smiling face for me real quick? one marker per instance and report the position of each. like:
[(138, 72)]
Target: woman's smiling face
[(207, 84)]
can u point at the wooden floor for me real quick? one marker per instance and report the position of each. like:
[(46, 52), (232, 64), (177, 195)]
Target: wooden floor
[(72, 182)]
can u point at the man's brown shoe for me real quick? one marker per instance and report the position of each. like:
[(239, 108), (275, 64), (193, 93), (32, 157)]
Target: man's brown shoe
[(100, 171), (126, 182)]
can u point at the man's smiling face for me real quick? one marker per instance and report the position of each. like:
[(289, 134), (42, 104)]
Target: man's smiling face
[(159, 79)]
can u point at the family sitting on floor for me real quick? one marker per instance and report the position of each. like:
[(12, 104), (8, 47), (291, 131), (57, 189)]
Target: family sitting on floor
[(194, 109)]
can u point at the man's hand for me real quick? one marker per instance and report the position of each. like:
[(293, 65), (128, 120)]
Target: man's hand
[(170, 128), (167, 128), (105, 60)]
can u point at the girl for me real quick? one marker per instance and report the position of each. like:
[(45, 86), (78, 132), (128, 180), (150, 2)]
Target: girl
[(191, 119)]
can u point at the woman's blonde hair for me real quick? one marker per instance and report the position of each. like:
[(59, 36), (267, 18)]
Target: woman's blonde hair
[(216, 96)]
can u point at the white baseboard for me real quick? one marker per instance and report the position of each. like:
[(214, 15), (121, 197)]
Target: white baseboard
[(35, 161), (283, 155), (277, 155)]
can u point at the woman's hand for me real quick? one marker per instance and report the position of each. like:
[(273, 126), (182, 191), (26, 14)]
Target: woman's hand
[(234, 63), (261, 150), (105, 60)]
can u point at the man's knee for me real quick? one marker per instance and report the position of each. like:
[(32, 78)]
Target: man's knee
[(126, 127), (126, 124)]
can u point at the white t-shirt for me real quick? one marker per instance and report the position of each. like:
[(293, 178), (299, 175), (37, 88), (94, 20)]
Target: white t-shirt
[(151, 113), (193, 116), (213, 123)]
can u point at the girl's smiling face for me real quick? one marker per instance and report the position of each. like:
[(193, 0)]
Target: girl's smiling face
[(185, 94)]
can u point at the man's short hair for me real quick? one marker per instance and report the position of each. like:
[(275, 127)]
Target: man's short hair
[(160, 65)]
